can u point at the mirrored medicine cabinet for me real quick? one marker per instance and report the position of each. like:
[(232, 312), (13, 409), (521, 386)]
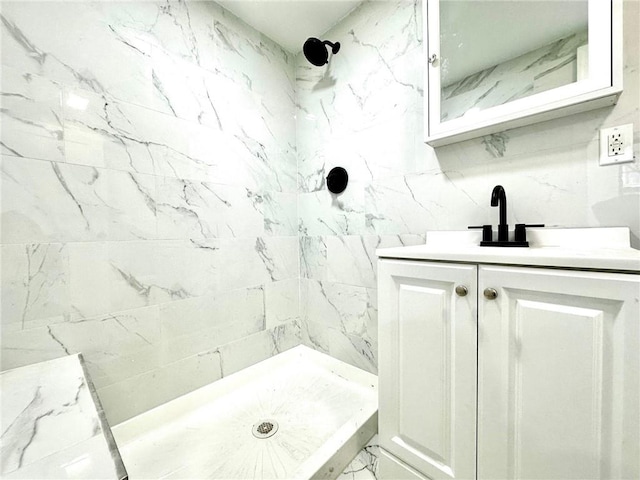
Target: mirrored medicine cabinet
[(493, 65)]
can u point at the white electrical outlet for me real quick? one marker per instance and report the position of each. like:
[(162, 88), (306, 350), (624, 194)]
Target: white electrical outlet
[(616, 144)]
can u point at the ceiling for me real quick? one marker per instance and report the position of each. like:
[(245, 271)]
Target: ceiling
[(290, 23)]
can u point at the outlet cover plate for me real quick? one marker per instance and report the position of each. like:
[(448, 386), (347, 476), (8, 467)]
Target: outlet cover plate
[(625, 134)]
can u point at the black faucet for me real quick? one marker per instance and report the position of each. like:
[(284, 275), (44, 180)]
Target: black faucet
[(498, 196)]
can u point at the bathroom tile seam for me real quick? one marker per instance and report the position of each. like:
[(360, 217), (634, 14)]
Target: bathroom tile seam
[(65, 87), (187, 179)]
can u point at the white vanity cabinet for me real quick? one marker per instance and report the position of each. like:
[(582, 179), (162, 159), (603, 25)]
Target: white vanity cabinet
[(427, 364), (533, 372)]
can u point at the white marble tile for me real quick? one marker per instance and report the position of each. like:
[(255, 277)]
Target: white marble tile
[(246, 56), (114, 276), (244, 306), (280, 213), (366, 155), (186, 374), (366, 40), (313, 257), (133, 205), (163, 384), (116, 346), (89, 272), (178, 147), (614, 195), (34, 284), (352, 259), (98, 133), (32, 47), (124, 344), (371, 95), (205, 323), (185, 88), (52, 201), (26, 347), (279, 256), (76, 461), (392, 207), (200, 210), (259, 346), (282, 302), (341, 320), (172, 197), (248, 262), (31, 116), (102, 339), (365, 465), (323, 213), (132, 275), (185, 269), (560, 180), (429, 201), (129, 137), (47, 409)]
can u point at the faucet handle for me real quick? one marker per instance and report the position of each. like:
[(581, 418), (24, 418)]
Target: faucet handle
[(521, 232), (487, 232)]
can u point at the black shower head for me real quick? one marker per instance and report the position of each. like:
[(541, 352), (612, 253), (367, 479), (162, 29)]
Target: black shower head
[(316, 52)]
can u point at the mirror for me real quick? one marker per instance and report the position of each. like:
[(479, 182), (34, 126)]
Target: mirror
[(499, 64)]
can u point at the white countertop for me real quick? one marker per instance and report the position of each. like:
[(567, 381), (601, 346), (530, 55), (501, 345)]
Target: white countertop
[(579, 248), (53, 425)]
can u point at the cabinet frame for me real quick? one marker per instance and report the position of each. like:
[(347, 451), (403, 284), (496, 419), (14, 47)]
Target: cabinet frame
[(448, 453), (609, 300)]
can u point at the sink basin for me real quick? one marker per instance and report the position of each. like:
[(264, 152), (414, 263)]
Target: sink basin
[(607, 248)]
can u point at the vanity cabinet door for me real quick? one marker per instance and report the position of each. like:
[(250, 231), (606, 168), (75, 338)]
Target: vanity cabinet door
[(428, 366), (558, 374)]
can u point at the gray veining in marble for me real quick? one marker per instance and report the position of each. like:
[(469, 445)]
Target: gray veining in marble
[(148, 181), (53, 425), (356, 114), (365, 465), (124, 178)]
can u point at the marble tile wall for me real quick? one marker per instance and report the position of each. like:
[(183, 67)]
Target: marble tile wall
[(364, 112), (149, 188), (161, 206)]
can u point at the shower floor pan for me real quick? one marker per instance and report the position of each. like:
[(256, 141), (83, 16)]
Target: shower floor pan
[(300, 414)]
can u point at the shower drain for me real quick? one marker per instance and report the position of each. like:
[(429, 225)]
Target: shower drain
[(264, 428)]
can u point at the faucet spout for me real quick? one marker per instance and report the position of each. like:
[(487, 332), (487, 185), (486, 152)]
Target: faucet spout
[(499, 197)]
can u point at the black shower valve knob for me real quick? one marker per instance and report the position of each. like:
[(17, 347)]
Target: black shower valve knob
[(337, 180)]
